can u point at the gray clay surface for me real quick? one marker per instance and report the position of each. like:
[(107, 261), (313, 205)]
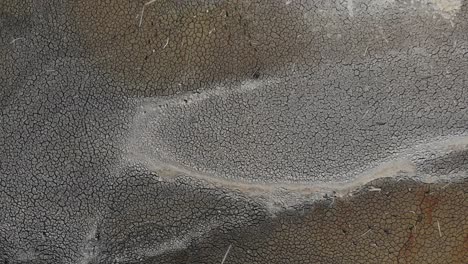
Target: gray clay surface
[(283, 131)]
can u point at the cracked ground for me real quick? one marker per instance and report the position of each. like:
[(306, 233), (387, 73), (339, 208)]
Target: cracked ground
[(233, 131)]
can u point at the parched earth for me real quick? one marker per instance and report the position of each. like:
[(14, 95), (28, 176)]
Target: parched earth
[(233, 131)]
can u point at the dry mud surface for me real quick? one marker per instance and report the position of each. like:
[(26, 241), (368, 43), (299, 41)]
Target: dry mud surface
[(216, 131)]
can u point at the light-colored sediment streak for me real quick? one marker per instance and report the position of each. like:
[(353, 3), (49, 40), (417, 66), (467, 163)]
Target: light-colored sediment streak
[(401, 164), (447, 8), (278, 196), (142, 147), (350, 6), (171, 245)]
